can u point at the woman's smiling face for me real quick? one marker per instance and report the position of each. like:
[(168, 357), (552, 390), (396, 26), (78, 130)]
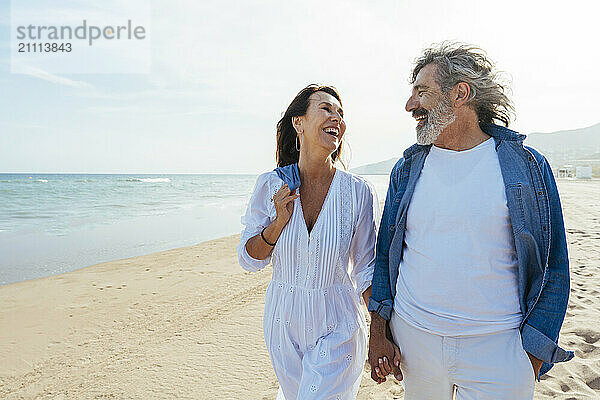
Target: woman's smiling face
[(323, 124)]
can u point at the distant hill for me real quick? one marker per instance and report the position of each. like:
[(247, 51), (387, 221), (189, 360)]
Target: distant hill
[(565, 146), (561, 147), (380, 168)]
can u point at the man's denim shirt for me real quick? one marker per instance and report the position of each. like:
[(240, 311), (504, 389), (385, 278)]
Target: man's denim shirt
[(537, 224)]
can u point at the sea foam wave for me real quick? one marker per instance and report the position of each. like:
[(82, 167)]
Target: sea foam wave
[(149, 180)]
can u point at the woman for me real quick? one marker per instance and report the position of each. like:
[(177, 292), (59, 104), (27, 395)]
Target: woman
[(316, 224)]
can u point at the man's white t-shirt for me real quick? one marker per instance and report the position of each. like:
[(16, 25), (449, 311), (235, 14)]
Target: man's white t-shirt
[(458, 274)]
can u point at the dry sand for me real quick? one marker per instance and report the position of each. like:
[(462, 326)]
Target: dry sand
[(186, 323)]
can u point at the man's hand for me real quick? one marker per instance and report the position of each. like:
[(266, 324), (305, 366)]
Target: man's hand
[(536, 364), (384, 355)]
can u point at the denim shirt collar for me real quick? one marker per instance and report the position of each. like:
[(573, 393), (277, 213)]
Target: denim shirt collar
[(502, 133), (290, 175), (498, 132)]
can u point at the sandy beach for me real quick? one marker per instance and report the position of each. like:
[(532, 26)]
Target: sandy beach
[(187, 323)]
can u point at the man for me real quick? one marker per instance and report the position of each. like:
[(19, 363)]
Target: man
[(471, 278)]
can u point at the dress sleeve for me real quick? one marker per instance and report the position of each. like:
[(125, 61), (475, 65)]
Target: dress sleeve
[(362, 246), (259, 214)]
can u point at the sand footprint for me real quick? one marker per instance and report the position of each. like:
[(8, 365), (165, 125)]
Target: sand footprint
[(594, 383), (588, 335)]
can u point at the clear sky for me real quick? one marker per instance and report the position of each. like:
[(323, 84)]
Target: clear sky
[(222, 73)]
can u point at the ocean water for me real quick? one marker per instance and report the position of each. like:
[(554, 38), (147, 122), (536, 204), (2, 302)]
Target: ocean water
[(55, 223)]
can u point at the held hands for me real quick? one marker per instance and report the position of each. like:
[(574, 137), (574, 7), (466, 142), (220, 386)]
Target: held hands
[(385, 367), (384, 356), (284, 204)]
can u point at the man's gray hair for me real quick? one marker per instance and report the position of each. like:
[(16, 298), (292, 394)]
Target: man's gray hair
[(458, 62)]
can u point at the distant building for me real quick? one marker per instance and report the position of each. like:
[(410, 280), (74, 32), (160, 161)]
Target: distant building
[(566, 171)]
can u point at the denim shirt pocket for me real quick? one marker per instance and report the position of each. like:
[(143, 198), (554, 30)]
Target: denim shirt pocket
[(514, 199)]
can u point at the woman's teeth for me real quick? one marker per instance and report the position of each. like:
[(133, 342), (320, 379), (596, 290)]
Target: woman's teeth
[(331, 131)]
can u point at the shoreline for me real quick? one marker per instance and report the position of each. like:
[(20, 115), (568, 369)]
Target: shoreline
[(64, 222), (118, 260), (187, 323)]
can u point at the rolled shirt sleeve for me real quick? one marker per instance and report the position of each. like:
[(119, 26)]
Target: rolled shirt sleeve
[(259, 214)]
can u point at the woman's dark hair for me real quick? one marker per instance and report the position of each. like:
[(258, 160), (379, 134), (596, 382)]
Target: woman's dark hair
[(286, 134)]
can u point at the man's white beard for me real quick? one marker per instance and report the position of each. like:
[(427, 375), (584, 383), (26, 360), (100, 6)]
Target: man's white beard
[(438, 119)]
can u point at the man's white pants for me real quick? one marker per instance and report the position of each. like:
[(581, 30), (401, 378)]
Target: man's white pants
[(491, 366)]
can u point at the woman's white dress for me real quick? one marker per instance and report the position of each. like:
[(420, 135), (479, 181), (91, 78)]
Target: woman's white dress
[(314, 328)]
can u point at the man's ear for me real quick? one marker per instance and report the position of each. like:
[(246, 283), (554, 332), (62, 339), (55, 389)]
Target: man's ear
[(462, 93)]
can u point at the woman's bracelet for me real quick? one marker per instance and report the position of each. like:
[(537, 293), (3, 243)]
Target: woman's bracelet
[(262, 235)]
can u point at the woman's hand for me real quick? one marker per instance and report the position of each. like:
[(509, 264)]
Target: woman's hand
[(284, 204), (261, 247)]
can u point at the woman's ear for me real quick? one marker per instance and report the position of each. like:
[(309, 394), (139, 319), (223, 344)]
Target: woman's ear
[(297, 124)]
